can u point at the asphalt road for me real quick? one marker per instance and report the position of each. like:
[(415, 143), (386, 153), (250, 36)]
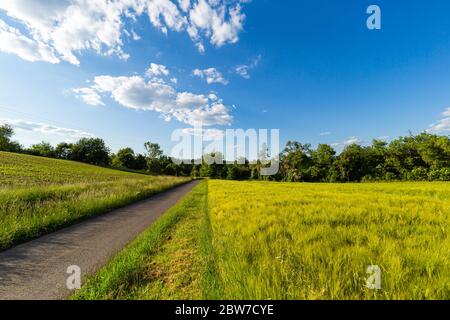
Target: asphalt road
[(37, 269)]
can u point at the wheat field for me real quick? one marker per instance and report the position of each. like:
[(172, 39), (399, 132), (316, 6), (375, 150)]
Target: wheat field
[(316, 241)]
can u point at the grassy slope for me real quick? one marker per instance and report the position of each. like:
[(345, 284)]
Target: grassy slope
[(289, 241), (40, 195), (166, 261)]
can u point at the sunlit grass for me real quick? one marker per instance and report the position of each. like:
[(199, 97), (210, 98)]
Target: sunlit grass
[(315, 241), (39, 195)]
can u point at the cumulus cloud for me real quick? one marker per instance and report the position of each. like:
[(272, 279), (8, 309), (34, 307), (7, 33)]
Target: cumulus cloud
[(61, 29), (244, 69), (211, 19), (23, 125), (89, 96), (348, 142), (441, 126), (13, 41), (155, 94), (212, 75), (156, 70)]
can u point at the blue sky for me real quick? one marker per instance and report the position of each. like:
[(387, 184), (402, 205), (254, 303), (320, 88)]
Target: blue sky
[(309, 68)]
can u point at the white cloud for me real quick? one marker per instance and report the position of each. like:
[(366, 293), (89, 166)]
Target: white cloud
[(446, 113), (157, 95), (62, 29), (89, 96), (441, 126), (12, 41), (212, 75), (326, 133), (210, 18), (184, 4), (46, 129), (156, 70), (348, 142), (244, 70)]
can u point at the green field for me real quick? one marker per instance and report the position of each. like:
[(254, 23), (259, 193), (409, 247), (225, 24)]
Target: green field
[(40, 195), (263, 240)]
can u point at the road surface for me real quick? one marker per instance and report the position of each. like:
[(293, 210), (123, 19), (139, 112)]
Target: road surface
[(38, 269)]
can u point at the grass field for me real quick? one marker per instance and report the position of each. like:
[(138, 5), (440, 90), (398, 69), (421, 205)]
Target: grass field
[(263, 240), (40, 195)]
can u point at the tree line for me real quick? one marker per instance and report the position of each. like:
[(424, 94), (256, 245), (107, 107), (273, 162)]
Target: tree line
[(422, 157)]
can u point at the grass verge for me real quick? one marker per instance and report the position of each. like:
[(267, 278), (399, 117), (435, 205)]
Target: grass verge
[(165, 262)]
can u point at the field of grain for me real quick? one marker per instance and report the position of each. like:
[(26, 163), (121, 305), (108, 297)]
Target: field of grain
[(40, 195), (316, 241)]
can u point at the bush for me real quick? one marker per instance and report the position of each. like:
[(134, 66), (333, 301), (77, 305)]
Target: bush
[(390, 176), (418, 174), (442, 174)]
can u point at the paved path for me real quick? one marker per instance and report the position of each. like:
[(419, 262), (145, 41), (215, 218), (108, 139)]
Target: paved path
[(38, 269)]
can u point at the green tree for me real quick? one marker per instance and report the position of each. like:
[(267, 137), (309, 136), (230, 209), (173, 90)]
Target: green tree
[(351, 163), (43, 149), (91, 150), (125, 158), (64, 151), (195, 173), (140, 162), (403, 156), (6, 133), (154, 154), (296, 162), (323, 159)]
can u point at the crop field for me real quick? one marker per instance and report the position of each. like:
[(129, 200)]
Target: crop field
[(316, 241), (264, 240), (40, 195)]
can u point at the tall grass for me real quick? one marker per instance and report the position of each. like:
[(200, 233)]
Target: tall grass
[(316, 241), (40, 195)]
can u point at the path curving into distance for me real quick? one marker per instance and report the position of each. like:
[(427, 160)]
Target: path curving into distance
[(38, 269)]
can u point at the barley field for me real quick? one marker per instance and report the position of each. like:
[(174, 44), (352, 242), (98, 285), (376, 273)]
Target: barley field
[(40, 195), (316, 241)]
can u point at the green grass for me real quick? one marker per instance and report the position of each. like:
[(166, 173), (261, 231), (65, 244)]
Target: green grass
[(40, 195), (165, 262), (263, 240)]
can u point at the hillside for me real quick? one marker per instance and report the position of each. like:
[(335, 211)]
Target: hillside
[(72, 191)]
